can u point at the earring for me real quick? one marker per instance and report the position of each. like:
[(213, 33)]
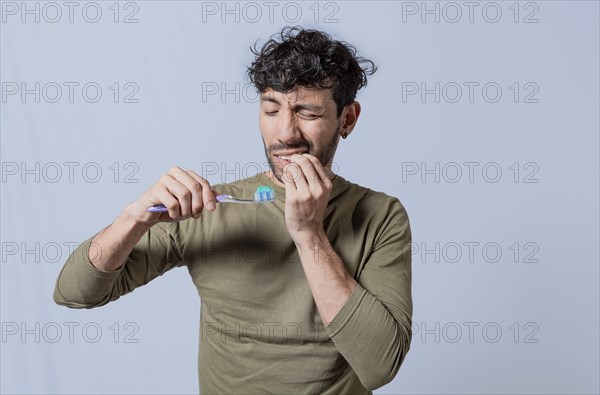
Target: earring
[(344, 135)]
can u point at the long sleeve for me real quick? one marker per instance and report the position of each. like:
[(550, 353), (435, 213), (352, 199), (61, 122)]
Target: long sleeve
[(373, 329), (81, 285)]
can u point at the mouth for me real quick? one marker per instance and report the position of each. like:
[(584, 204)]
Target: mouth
[(284, 157)]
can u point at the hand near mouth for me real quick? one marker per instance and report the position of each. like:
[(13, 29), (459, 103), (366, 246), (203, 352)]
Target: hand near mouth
[(330, 175), (308, 187)]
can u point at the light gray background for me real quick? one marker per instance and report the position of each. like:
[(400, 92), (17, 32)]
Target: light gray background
[(176, 50)]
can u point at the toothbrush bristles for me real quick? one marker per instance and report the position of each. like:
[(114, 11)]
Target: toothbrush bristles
[(264, 194)]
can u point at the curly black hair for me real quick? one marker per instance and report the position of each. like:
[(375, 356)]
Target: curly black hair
[(312, 59)]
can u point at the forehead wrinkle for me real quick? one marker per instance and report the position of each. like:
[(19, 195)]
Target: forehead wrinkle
[(307, 106), (297, 106), (299, 95)]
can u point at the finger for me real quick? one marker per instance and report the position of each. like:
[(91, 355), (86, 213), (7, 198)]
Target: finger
[(310, 179), (291, 172), (194, 187), (208, 195), (162, 196), (302, 191), (180, 188), (307, 167), (181, 193), (324, 173)]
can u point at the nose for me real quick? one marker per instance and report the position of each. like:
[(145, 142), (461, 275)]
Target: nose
[(288, 128)]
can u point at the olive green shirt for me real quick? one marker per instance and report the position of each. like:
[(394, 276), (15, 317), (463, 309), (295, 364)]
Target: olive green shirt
[(260, 330)]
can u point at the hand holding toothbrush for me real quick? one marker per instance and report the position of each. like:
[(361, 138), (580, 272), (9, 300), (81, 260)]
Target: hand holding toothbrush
[(182, 193)]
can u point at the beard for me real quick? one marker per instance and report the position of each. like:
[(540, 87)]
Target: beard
[(324, 155)]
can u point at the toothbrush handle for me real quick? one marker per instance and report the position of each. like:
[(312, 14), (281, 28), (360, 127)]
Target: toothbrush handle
[(159, 208)]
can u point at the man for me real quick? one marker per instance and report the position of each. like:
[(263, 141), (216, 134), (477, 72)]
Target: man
[(310, 293)]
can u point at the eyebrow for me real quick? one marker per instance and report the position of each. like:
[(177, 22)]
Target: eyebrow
[(296, 107)]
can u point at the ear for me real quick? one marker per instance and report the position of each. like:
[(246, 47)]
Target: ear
[(349, 117)]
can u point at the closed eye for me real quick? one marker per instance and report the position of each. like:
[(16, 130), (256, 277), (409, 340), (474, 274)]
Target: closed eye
[(308, 116)]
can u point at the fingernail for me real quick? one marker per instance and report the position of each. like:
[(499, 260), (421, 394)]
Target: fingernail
[(210, 205)]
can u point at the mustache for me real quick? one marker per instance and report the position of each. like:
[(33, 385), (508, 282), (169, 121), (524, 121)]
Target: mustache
[(300, 144)]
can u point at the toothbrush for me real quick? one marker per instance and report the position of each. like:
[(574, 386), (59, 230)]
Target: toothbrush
[(263, 194)]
